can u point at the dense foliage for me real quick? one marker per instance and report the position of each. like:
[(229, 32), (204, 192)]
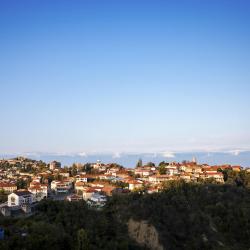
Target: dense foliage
[(65, 225), (192, 216), (186, 216)]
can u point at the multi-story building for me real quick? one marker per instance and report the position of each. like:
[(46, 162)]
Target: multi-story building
[(155, 179), (61, 186), (39, 191), (143, 171), (20, 198), (54, 164), (7, 187)]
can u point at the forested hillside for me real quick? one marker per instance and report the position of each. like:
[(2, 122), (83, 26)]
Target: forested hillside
[(185, 216), (192, 216)]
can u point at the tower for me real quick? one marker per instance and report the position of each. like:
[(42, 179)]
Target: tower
[(194, 160)]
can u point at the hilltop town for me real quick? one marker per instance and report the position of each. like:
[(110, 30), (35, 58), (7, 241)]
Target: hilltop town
[(25, 182)]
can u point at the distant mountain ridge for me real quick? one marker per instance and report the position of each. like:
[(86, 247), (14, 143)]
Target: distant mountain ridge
[(130, 159)]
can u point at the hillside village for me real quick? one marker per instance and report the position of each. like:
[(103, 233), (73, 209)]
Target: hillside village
[(25, 182)]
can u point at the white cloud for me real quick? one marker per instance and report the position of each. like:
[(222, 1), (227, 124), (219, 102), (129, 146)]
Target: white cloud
[(235, 152), (30, 154), (168, 154), (154, 155), (62, 154), (116, 155), (82, 154)]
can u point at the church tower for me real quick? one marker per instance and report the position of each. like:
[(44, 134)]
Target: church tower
[(194, 160)]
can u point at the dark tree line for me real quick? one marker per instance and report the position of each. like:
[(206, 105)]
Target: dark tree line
[(185, 215)]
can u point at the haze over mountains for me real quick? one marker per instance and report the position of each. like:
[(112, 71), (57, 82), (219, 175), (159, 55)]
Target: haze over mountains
[(233, 157)]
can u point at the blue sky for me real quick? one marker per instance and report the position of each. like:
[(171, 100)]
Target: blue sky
[(124, 76)]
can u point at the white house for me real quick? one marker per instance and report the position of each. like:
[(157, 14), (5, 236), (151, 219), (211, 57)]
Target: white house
[(39, 191), (61, 186), (81, 178), (143, 171), (155, 179), (96, 197), (135, 184), (97, 200), (87, 193), (171, 170), (20, 198)]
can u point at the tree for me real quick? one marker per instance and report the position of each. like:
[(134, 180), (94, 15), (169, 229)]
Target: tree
[(139, 163), (74, 170), (162, 163), (3, 196), (150, 164), (162, 170), (243, 179), (121, 184), (87, 167), (82, 240), (21, 184)]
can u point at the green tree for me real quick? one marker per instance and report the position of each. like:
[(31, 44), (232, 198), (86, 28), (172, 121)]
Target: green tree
[(139, 163), (87, 167), (82, 240), (163, 163), (21, 184), (74, 170), (162, 170), (150, 164), (3, 196)]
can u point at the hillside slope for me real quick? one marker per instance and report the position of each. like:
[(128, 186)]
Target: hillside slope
[(183, 216), (192, 216)]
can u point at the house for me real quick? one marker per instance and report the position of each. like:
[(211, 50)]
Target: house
[(189, 169), (99, 166), (74, 197), (107, 189), (39, 191), (79, 186), (143, 171), (87, 193), (7, 187), (84, 178), (171, 170), (20, 198), (236, 168), (81, 178), (218, 176), (97, 200), (97, 186), (197, 170), (122, 174), (134, 184), (159, 178), (65, 174), (61, 186), (186, 177), (113, 169), (54, 164)]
